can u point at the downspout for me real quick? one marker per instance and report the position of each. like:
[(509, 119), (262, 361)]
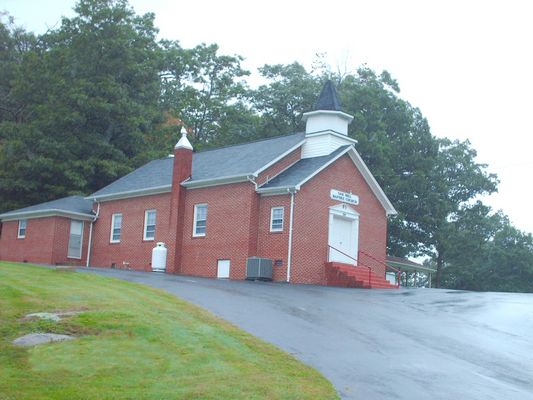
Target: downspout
[(89, 245), (252, 180), (291, 218)]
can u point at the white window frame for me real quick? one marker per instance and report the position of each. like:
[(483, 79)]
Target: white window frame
[(113, 217), (25, 221), (81, 239), (272, 210), (195, 221), (146, 224)]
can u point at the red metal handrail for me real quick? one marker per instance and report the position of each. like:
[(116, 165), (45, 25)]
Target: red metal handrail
[(340, 251), (353, 258), (397, 270)]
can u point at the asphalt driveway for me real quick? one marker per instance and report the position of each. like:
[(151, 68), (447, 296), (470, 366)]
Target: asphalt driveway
[(380, 344)]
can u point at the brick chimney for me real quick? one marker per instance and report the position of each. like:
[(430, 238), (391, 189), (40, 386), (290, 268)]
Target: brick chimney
[(182, 160), (182, 169)]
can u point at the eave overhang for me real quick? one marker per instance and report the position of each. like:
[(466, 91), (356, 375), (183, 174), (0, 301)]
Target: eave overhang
[(52, 212)]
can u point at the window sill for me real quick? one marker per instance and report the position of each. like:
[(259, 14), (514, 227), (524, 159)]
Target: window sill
[(276, 231), (115, 242)]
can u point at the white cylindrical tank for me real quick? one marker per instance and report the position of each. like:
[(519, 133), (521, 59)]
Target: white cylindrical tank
[(159, 257)]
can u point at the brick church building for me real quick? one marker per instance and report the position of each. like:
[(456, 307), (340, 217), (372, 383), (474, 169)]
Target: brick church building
[(306, 201)]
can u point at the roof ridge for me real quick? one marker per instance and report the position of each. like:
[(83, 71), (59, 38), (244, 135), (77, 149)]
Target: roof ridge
[(245, 143)]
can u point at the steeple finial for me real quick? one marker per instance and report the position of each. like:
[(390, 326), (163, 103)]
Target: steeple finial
[(328, 99), (183, 143)]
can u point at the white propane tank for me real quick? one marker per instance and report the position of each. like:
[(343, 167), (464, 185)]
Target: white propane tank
[(159, 257)]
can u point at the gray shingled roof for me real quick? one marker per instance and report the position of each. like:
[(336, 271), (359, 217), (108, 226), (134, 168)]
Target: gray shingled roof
[(238, 160), (328, 99), (154, 174), (72, 204), (301, 169)]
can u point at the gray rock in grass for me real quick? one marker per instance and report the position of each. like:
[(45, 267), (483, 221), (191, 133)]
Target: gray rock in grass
[(33, 339)]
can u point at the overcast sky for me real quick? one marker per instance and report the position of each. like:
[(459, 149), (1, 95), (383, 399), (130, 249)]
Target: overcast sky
[(467, 65)]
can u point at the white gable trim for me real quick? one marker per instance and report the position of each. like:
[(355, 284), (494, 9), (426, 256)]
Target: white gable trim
[(371, 181), (278, 158), (363, 169)]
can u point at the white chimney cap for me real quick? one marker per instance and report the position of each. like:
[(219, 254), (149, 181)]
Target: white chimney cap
[(183, 143)]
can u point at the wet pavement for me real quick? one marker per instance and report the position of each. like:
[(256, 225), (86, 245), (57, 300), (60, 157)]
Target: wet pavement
[(380, 344)]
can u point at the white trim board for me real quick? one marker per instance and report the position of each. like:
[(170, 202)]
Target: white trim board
[(52, 212), (201, 183), (131, 193)]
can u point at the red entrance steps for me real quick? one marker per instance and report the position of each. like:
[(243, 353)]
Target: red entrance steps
[(346, 275)]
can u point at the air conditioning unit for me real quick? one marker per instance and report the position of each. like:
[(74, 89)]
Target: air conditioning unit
[(258, 268)]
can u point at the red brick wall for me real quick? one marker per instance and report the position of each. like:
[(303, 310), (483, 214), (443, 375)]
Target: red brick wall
[(35, 247), (274, 245), (311, 218), (282, 164), (61, 238), (132, 248), (238, 226), (229, 234), (46, 241)]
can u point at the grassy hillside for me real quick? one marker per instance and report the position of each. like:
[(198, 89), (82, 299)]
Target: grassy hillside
[(134, 342)]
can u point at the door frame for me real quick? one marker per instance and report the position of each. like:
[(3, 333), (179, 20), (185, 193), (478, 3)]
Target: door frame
[(348, 213)]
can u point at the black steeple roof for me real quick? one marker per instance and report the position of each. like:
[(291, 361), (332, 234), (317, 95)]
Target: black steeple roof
[(328, 99)]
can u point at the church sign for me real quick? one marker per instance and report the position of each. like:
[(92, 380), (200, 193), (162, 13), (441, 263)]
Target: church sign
[(344, 197)]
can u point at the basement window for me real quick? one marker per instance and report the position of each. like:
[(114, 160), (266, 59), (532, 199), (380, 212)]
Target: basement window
[(149, 224), (116, 228), (200, 220), (21, 234), (276, 219)]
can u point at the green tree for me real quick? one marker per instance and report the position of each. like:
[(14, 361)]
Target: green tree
[(15, 44), (90, 91), (487, 253), (207, 92), (290, 92), (455, 182), (395, 141)]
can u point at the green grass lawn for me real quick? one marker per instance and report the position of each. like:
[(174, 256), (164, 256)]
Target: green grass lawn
[(134, 342)]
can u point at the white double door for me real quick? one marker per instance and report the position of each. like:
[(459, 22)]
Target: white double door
[(343, 237)]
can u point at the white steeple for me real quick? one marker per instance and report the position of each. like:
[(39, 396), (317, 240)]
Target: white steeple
[(326, 127), (327, 115), (183, 143)]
